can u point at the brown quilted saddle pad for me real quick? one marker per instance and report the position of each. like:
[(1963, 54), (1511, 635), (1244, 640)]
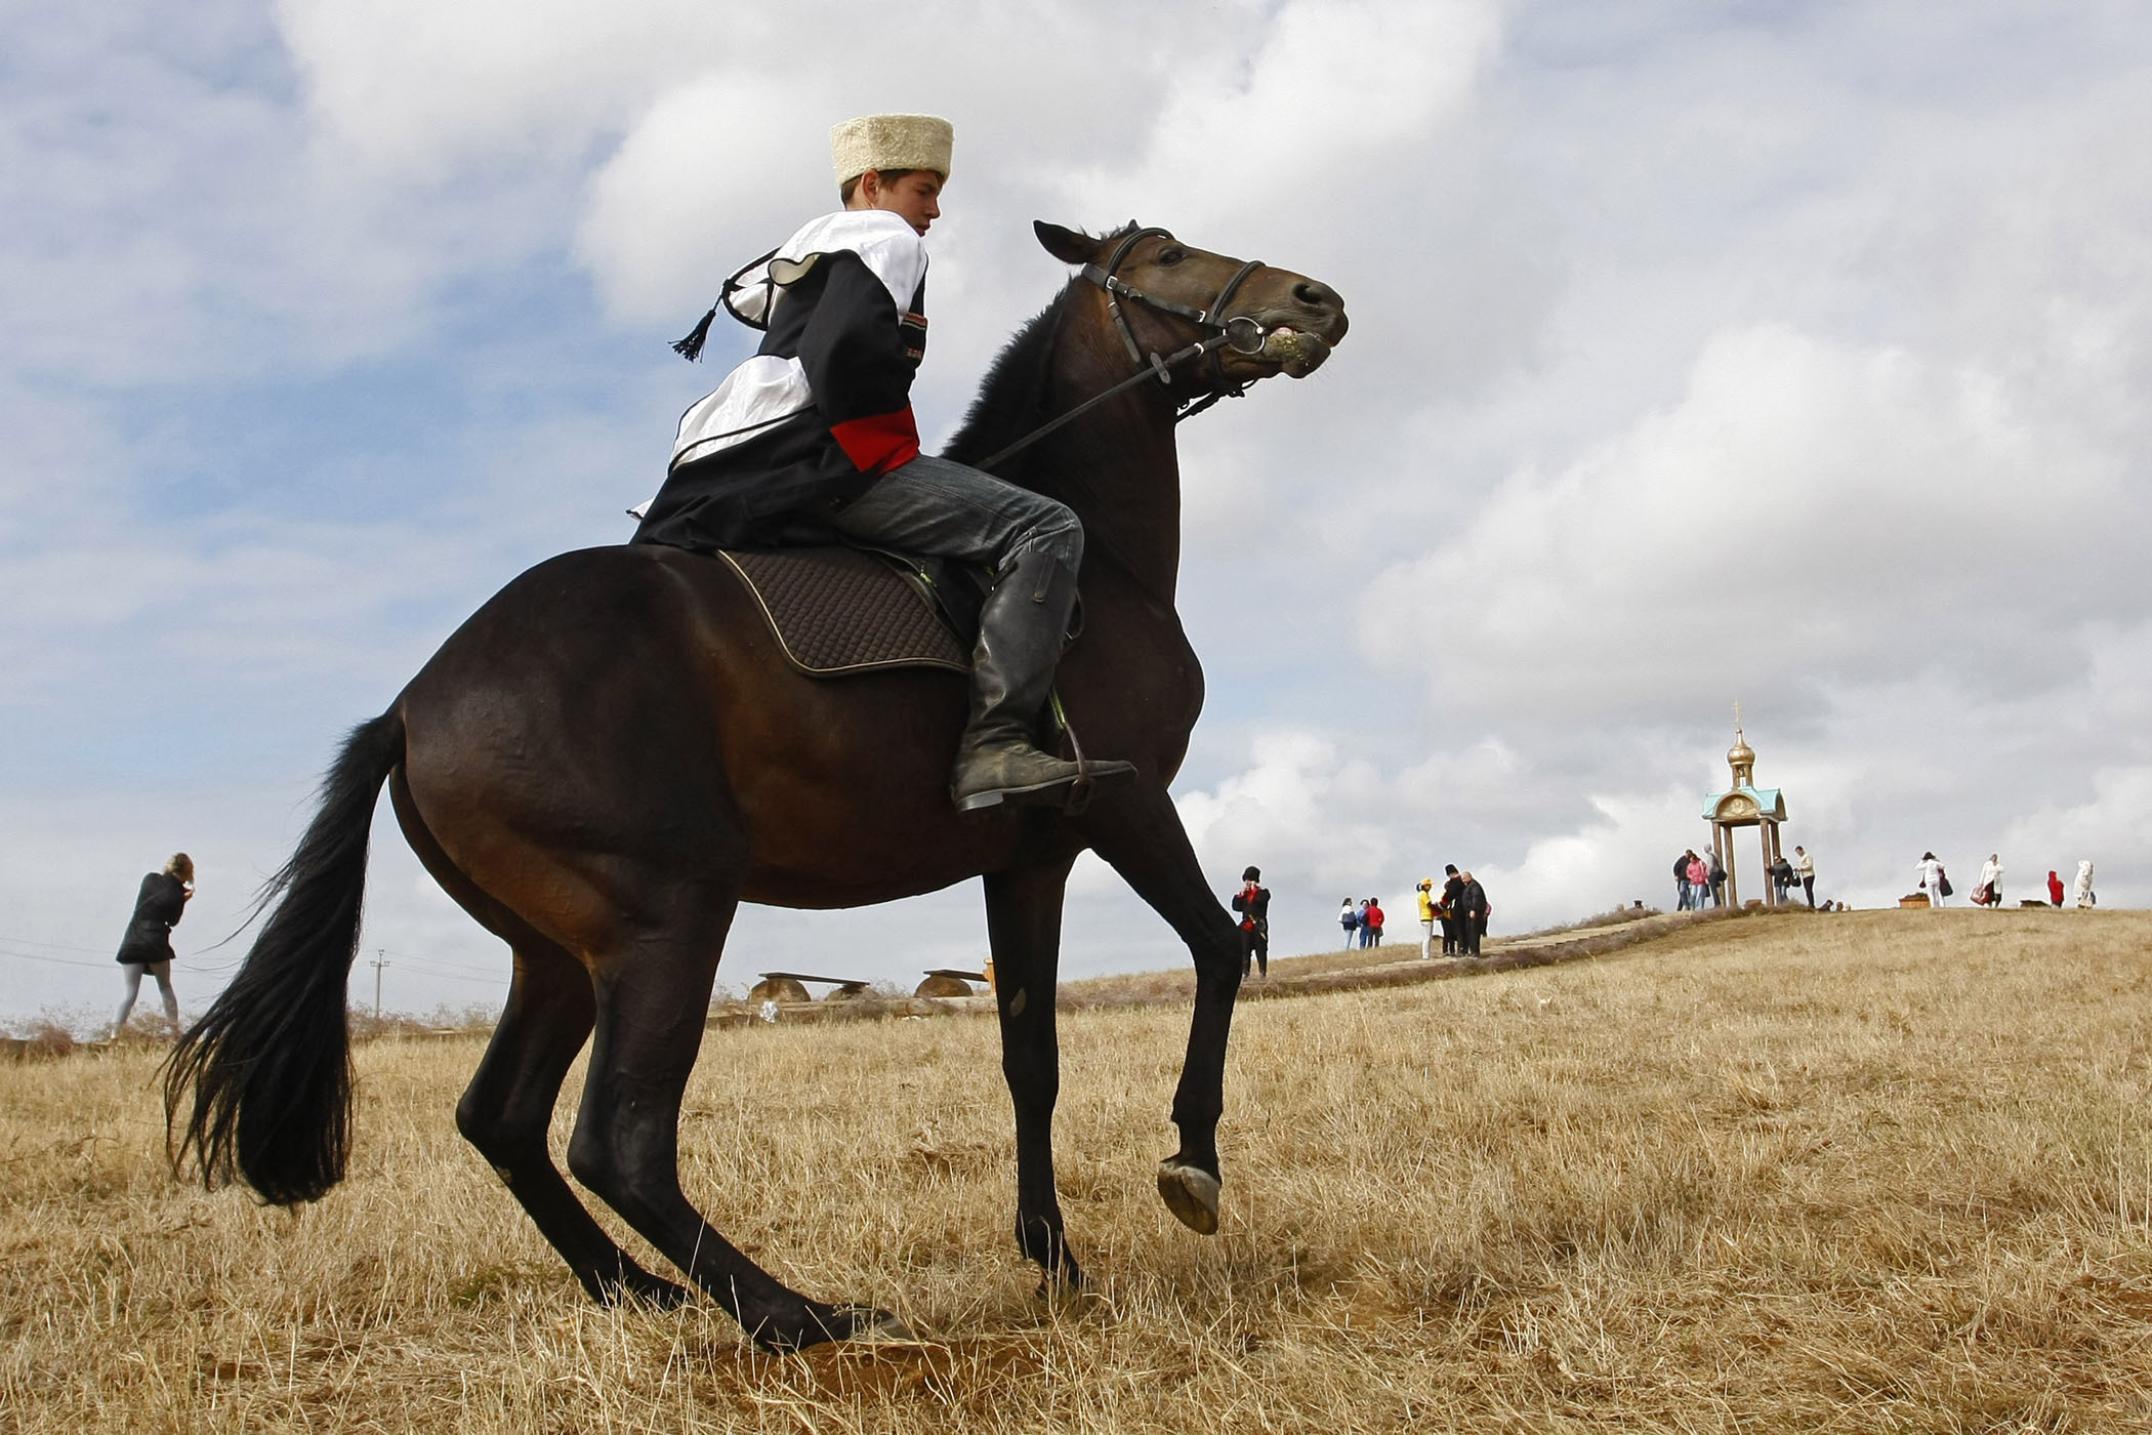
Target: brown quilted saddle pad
[(837, 611)]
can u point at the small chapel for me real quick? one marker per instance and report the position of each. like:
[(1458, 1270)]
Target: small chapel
[(1744, 804)]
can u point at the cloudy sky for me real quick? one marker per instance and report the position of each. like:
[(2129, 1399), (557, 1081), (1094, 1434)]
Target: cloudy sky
[(1788, 354)]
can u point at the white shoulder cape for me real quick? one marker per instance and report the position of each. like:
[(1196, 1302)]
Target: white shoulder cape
[(765, 388)]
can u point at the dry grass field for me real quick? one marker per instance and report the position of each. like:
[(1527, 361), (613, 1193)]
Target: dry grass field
[(1874, 1172)]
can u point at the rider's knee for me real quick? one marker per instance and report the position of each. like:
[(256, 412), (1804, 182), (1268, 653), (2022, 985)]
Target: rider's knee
[(1057, 531)]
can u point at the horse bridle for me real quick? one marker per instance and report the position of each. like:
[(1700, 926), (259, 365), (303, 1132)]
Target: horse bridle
[(1241, 333)]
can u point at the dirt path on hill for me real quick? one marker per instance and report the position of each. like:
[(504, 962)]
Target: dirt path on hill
[(1310, 975)]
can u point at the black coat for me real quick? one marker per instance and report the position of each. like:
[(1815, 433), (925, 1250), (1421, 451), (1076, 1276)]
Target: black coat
[(1472, 901), (157, 911), (860, 358), (1255, 910)]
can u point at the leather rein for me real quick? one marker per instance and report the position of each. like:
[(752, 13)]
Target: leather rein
[(1240, 333)]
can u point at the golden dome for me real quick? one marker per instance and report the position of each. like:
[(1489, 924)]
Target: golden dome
[(1740, 757)]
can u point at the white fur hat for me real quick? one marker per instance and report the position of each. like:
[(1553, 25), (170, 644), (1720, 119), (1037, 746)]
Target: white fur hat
[(885, 142)]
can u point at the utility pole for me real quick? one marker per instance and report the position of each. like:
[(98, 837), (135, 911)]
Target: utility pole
[(381, 959)]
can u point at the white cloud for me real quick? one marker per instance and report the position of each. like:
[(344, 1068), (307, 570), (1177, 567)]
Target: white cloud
[(663, 207), (1804, 514)]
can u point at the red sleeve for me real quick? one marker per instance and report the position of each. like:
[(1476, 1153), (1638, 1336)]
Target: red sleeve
[(879, 442)]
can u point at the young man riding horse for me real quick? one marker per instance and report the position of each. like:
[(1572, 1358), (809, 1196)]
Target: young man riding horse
[(813, 439), (605, 802)]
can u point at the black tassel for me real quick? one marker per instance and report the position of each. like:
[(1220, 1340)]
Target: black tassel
[(690, 348)]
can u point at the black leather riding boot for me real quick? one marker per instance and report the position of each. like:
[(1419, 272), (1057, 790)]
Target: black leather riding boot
[(1023, 625)]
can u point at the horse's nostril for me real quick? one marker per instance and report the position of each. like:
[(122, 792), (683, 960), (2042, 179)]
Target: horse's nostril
[(1317, 296)]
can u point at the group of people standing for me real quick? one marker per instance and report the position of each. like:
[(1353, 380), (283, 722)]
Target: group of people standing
[(1362, 922), (1700, 881), (1935, 881), (1801, 869), (1459, 907)]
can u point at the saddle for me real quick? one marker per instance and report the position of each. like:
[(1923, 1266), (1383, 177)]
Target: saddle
[(838, 610)]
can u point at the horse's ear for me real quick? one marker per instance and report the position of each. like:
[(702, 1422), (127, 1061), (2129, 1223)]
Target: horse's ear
[(1065, 245)]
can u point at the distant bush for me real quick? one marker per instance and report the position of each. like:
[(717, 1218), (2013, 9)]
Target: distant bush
[(365, 1026), (39, 1039)]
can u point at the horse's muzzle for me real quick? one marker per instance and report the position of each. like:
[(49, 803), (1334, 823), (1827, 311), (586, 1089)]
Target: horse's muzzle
[(1296, 352)]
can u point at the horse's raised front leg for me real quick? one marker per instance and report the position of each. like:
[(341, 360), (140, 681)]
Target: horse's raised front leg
[(1138, 831), (653, 995), (1023, 923), (509, 1104)]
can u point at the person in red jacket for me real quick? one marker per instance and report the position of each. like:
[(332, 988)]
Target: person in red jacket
[(1252, 902), (1374, 922), (813, 439)]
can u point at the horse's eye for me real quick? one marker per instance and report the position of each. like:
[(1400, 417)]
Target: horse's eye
[(1173, 255)]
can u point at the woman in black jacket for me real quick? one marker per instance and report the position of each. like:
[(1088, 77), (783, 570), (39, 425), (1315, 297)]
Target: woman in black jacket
[(147, 947), (1453, 887)]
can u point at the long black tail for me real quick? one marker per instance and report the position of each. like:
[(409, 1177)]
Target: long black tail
[(269, 1065)]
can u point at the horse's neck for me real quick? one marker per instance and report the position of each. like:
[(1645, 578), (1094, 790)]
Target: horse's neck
[(1118, 466), (1121, 474)]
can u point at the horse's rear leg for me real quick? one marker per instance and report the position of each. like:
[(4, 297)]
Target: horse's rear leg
[(508, 1106), (652, 999)]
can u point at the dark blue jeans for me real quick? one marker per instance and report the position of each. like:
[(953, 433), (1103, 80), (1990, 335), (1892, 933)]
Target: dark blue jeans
[(934, 506)]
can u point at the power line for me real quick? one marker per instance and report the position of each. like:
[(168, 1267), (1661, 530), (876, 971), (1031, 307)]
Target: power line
[(54, 961), (446, 966), (104, 951), (54, 946), (488, 975), (475, 979)]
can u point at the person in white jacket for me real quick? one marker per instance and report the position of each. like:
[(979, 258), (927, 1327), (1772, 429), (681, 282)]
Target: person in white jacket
[(1804, 870), (2084, 884), (1991, 877), (1931, 878)]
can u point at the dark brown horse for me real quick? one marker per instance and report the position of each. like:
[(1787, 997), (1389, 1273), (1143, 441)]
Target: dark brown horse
[(612, 754)]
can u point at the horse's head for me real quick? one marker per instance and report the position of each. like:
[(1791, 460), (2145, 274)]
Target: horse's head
[(1166, 295)]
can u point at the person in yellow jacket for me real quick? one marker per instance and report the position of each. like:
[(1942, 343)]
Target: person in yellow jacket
[(1425, 892)]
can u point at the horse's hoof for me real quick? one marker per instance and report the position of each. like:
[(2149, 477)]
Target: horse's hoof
[(1191, 1194), (875, 1327), (846, 1324)]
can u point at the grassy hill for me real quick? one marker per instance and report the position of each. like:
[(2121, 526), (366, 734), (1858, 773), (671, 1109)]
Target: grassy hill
[(1870, 1171)]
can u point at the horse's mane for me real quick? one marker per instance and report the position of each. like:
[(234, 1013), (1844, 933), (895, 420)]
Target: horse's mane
[(1010, 398)]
